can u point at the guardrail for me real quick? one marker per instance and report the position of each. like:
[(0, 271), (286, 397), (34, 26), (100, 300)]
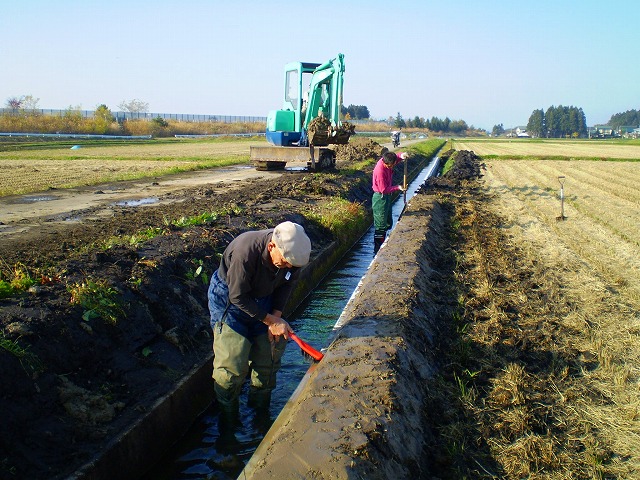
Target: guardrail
[(213, 135)]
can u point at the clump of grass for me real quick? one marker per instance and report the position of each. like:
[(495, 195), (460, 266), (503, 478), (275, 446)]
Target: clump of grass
[(15, 279), (207, 217), (198, 273), (428, 148), (342, 217), (97, 299), (202, 219), (29, 361), (134, 239), (6, 290)]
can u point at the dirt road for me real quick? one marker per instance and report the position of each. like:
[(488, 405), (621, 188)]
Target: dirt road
[(19, 214)]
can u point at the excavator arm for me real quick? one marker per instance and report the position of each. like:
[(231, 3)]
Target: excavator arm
[(325, 92)]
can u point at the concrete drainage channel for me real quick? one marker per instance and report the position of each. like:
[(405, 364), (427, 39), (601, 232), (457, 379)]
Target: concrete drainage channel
[(302, 401), (360, 412), (357, 414)]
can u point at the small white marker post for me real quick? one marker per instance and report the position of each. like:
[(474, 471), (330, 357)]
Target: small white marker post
[(561, 217)]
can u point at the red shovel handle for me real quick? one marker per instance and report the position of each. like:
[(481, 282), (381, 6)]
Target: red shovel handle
[(308, 349)]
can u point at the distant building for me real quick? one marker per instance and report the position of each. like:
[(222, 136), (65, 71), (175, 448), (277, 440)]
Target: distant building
[(517, 132), (602, 131), (625, 131)]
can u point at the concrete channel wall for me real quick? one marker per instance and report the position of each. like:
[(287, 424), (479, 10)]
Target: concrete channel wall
[(359, 413)]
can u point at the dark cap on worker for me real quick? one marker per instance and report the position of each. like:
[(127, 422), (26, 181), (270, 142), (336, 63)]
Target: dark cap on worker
[(293, 243)]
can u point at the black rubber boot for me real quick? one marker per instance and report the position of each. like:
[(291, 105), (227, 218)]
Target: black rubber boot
[(378, 240), (228, 419), (260, 400)]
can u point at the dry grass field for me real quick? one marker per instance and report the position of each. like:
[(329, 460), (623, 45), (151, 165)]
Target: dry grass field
[(27, 170), (552, 148), (584, 274)]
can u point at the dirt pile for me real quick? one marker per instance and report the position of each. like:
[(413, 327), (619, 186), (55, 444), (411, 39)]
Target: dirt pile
[(357, 150), (466, 166), (319, 130)]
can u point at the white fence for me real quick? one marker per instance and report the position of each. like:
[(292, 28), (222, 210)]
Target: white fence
[(121, 116)]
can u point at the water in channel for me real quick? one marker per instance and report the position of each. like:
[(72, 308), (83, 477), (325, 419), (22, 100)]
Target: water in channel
[(199, 455)]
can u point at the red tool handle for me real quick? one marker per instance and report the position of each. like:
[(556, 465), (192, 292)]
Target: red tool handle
[(315, 354)]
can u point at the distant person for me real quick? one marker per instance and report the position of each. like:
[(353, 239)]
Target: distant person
[(247, 295), (383, 189), (395, 138)]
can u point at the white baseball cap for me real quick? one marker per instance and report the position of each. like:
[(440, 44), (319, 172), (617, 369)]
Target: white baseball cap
[(293, 243)]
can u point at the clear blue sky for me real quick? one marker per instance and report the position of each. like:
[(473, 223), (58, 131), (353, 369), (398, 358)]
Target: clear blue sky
[(484, 61)]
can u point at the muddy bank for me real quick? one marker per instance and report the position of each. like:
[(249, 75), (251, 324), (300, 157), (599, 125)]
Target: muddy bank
[(360, 412)]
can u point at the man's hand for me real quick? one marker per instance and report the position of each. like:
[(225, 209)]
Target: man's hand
[(404, 155), (277, 326)]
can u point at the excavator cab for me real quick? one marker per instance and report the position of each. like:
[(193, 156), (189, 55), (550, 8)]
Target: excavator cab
[(284, 127)]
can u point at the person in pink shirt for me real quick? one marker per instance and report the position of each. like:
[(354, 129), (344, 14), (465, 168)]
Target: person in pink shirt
[(383, 189)]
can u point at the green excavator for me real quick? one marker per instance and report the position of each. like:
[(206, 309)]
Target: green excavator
[(309, 121)]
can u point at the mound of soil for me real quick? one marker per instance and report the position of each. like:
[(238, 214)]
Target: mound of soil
[(357, 149)]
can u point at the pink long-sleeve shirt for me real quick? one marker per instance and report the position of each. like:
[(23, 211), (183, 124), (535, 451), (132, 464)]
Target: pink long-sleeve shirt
[(382, 177)]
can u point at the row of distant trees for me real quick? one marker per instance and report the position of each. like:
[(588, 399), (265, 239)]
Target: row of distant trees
[(630, 118), (434, 124), (558, 122), (562, 121), (361, 112), (355, 112), (29, 102)]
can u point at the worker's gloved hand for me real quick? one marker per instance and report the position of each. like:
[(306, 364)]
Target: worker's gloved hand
[(401, 188), (404, 155)]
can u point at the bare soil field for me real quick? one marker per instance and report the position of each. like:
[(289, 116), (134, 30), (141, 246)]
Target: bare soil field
[(537, 347)]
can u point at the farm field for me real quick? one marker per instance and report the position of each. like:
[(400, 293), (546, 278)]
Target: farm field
[(558, 303), (26, 170), (552, 148)]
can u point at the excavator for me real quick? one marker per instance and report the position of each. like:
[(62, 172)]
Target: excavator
[(309, 121)]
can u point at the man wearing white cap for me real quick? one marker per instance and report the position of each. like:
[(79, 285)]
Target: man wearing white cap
[(247, 295)]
